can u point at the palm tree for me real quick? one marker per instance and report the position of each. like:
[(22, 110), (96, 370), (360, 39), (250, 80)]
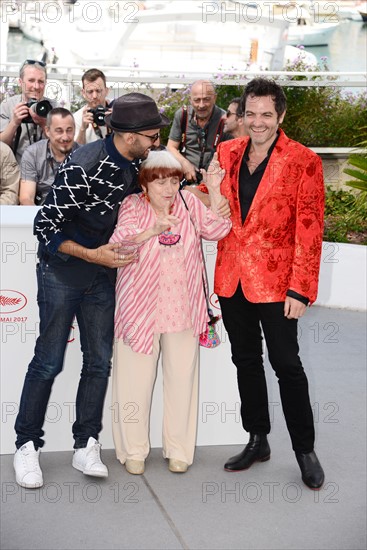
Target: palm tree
[(359, 172)]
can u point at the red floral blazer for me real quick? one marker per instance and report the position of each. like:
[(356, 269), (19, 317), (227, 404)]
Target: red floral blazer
[(278, 247)]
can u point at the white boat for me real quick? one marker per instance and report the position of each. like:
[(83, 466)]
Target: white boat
[(165, 36), (39, 20), (317, 34), (362, 9), (305, 28), (321, 12), (333, 12), (175, 36), (10, 14)]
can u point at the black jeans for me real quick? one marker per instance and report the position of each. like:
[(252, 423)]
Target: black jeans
[(243, 321)]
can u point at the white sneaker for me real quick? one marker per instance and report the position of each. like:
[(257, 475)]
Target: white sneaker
[(88, 459), (26, 465)]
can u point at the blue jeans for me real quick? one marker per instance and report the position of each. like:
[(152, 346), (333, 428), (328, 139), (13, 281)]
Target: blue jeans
[(93, 306)]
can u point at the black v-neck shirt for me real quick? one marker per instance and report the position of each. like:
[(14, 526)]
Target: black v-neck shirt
[(250, 182), (248, 185)]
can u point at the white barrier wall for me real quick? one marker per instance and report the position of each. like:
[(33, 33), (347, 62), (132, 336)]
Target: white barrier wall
[(19, 329), (342, 284), (343, 276)]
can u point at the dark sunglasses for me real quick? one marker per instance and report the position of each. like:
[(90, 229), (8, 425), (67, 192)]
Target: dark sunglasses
[(229, 113), (152, 138), (33, 62)]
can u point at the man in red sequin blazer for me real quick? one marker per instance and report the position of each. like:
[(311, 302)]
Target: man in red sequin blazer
[(267, 270)]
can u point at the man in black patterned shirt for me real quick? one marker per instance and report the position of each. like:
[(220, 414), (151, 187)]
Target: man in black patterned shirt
[(76, 274)]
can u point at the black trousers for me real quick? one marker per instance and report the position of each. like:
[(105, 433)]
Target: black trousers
[(243, 321)]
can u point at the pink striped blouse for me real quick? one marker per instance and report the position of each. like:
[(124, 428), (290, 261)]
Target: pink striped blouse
[(137, 283)]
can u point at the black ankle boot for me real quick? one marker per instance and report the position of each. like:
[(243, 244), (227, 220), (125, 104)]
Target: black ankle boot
[(312, 472), (256, 450)]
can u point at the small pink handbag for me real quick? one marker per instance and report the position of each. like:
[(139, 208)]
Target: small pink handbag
[(210, 338)]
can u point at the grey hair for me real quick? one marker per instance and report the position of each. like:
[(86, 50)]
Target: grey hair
[(161, 159), (34, 66)]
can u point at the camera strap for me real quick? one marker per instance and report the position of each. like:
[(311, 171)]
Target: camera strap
[(97, 130), (35, 134), (202, 137), (184, 118), (16, 140), (19, 133)]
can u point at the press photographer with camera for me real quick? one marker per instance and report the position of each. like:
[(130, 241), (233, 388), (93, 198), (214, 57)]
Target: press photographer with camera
[(42, 160), (196, 131), (89, 120), (23, 116)]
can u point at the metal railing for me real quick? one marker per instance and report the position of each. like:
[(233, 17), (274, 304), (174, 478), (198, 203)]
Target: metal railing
[(145, 75)]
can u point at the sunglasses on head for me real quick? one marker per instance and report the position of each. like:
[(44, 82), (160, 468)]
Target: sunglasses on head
[(33, 62)]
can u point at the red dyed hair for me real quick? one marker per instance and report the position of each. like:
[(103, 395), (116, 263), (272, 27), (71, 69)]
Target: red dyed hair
[(159, 165)]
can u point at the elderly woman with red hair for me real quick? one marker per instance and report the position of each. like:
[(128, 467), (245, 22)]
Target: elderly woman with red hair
[(161, 307)]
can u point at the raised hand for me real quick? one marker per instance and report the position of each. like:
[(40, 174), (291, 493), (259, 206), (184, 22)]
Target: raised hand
[(214, 175), (164, 222)]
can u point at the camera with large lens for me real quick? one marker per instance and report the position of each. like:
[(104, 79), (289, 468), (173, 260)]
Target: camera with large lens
[(41, 108), (98, 115)]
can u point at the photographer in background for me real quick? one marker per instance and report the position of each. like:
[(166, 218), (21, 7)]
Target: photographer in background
[(197, 130), (42, 160), (23, 116), (89, 120), (233, 120)]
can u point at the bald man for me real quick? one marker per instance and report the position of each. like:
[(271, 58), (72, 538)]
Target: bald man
[(197, 130)]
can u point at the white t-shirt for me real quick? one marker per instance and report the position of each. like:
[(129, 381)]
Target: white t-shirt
[(91, 134)]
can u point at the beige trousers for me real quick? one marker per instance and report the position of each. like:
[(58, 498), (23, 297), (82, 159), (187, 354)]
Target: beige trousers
[(133, 379)]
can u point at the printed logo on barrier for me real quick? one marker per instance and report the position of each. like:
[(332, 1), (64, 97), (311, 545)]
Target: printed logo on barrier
[(214, 302), (71, 337), (11, 301)]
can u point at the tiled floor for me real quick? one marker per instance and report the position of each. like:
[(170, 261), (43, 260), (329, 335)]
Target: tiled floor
[(266, 507)]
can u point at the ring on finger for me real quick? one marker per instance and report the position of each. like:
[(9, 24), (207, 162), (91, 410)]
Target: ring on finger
[(122, 257)]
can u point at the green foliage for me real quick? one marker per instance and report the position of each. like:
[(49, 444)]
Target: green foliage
[(168, 101), (322, 116), (226, 92), (345, 217), (359, 161), (77, 101)]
